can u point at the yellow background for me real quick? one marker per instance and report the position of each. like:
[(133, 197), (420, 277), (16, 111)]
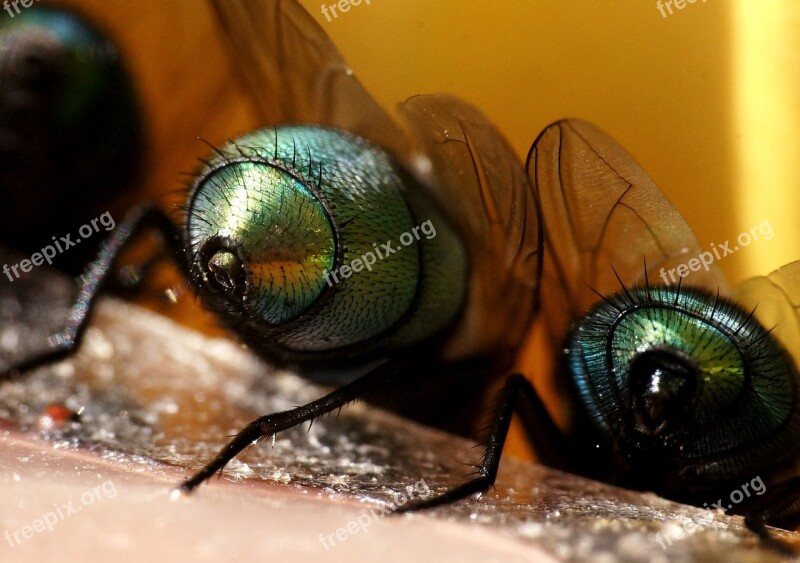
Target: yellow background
[(706, 99)]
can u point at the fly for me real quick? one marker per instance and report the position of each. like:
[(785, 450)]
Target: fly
[(71, 132)]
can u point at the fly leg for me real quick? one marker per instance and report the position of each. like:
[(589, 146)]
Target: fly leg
[(536, 417), (269, 425), (66, 341), (782, 506)]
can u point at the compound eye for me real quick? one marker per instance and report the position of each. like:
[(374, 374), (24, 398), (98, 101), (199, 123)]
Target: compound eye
[(664, 388), (688, 375), (262, 240)]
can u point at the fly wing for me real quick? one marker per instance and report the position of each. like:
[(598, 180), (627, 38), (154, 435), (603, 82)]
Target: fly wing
[(295, 74), (604, 219), (478, 180), (776, 300)]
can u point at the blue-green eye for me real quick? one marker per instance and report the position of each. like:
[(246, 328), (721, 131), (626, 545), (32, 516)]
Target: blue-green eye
[(671, 374), (259, 218)]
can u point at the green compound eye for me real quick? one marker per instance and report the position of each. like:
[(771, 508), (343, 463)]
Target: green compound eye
[(683, 377), (283, 232)]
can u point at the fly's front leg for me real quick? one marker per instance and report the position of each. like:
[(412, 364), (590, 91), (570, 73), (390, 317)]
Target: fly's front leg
[(66, 341), (535, 415), (266, 426)]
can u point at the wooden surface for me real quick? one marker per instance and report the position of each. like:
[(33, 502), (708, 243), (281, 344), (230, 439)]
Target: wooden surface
[(157, 400)]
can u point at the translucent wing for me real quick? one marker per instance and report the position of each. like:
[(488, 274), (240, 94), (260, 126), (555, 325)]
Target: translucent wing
[(295, 74), (776, 300), (478, 180), (603, 217)]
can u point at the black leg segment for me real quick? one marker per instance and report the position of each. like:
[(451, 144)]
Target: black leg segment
[(66, 341), (536, 415), (266, 426)]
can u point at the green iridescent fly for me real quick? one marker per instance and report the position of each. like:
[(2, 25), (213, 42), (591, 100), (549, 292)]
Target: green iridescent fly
[(338, 237)]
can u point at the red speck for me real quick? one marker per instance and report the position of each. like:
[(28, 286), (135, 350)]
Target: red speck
[(54, 416)]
